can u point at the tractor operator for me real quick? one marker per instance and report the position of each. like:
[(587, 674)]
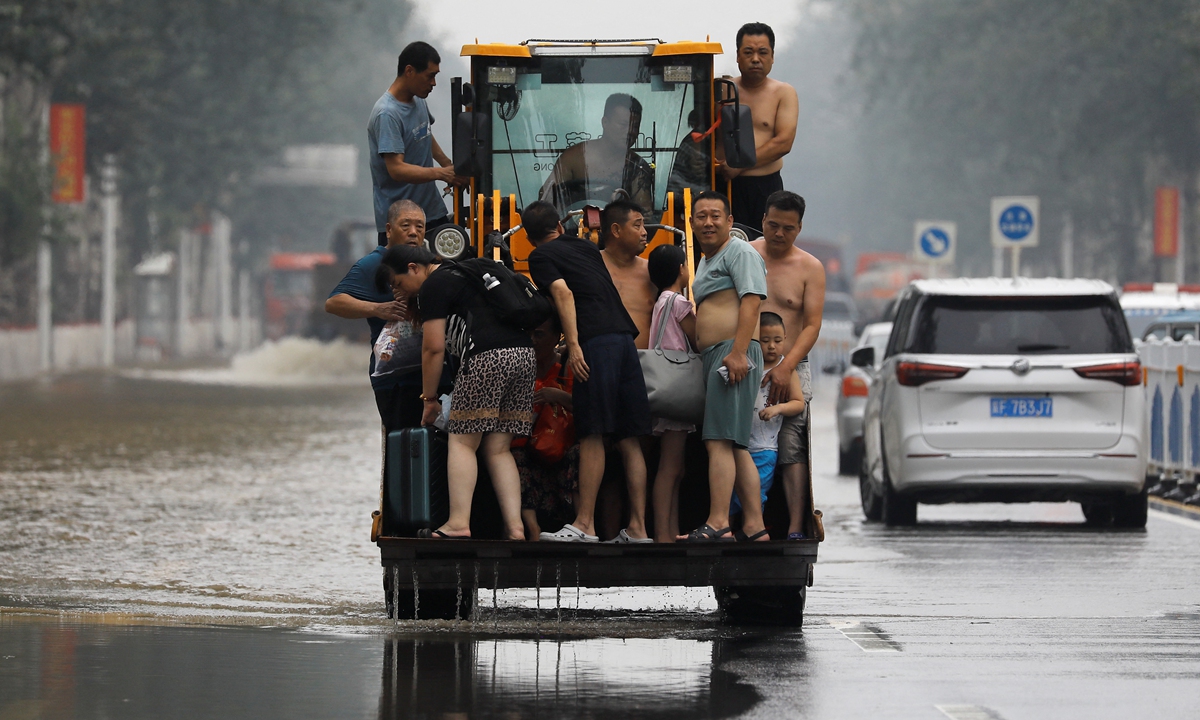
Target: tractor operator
[(775, 108), (593, 170)]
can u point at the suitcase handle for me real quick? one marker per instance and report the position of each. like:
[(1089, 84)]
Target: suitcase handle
[(414, 449)]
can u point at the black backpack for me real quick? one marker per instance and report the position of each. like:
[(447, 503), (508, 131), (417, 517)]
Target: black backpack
[(511, 295)]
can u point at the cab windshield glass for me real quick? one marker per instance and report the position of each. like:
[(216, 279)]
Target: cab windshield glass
[(1019, 326), (572, 130)]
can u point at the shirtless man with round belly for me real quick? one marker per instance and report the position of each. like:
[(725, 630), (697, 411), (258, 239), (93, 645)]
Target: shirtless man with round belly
[(729, 286)]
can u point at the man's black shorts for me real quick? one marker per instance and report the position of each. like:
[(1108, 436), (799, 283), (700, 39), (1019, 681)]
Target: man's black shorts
[(613, 400), (749, 198)]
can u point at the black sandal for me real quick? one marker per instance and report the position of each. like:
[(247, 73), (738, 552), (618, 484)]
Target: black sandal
[(427, 534), (743, 537), (706, 533)]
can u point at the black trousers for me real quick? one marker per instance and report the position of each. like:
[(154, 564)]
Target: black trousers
[(749, 198), (399, 406)]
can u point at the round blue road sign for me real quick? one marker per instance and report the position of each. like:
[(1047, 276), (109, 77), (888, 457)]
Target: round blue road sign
[(935, 242), (1016, 222)]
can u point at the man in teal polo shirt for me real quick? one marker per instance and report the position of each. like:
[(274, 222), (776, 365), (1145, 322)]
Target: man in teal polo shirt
[(729, 288)]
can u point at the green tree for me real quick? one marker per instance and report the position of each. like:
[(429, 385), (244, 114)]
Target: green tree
[(1086, 103), (193, 97)]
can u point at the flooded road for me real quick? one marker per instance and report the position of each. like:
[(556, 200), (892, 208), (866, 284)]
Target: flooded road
[(174, 545)]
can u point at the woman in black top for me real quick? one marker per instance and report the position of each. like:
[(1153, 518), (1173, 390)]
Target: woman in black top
[(493, 390)]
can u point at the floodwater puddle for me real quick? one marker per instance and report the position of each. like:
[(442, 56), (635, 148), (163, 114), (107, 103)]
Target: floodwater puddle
[(57, 666)]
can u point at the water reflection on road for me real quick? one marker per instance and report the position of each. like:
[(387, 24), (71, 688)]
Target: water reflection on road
[(53, 669), (602, 677)]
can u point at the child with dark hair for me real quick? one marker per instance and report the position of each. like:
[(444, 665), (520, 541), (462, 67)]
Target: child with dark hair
[(764, 427), (549, 470), (674, 320)]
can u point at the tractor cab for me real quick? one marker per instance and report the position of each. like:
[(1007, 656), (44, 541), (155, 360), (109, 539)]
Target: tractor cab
[(579, 123)]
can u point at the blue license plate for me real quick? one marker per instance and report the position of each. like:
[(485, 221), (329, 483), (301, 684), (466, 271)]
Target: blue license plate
[(1022, 407)]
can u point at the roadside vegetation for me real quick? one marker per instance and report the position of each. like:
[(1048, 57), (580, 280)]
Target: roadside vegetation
[(190, 98), (1089, 104)]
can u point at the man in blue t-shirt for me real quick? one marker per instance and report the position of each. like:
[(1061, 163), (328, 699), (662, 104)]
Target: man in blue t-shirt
[(402, 146), (397, 395)]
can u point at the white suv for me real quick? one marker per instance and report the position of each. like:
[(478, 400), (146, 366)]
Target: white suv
[(995, 390)]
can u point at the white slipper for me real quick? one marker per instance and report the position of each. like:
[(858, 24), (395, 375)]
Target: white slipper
[(569, 533), (623, 538)]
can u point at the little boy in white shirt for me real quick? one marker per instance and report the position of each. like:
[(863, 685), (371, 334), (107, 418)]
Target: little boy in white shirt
[(764, 428)]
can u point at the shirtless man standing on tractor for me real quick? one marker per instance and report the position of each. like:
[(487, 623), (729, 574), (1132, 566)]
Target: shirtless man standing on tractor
[(796, 292), (625, 238), (775, 108)]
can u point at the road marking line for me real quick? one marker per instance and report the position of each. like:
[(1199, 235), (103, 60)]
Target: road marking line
[(1186, 522), (866, 638), (968, 712)]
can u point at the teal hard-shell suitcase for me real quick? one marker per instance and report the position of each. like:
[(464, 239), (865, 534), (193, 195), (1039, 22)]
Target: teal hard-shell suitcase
[(416, 494)]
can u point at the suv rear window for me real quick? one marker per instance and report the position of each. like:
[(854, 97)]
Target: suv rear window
[(1019, 326)]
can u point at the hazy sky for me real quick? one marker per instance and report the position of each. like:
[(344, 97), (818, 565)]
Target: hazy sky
[(614, 19)]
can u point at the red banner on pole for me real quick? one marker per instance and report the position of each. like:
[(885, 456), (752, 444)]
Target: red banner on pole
[(67, 133), (1166, 222)]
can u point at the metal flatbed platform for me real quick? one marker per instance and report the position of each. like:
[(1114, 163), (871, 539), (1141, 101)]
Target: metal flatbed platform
[(762, 582), (443, 564)]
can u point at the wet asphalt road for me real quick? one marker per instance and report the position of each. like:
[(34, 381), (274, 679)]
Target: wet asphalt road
[(978, 612)]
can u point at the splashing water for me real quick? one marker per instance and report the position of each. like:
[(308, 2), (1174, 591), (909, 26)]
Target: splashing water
[(290, 361)]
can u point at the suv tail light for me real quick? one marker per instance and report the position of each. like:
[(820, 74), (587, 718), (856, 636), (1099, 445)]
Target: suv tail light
[(854, 387), (914, 374), (1122, 373)]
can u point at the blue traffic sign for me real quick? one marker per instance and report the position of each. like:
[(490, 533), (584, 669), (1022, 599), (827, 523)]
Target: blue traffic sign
[(1016, 222), (935, 243)]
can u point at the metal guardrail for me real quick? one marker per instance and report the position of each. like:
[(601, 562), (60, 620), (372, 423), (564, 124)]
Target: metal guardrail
[(1172, 382)]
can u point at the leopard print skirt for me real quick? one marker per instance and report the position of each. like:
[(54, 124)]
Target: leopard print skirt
[(493, 392)]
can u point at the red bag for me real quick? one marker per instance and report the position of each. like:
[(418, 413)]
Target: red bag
[(554, 428)]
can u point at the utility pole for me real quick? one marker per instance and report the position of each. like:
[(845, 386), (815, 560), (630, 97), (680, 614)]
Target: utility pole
[(244, 338), (1180, 252), (183, 308), (44, 259), (1068, 247), (108, 262), (45, 329), (222, 230)]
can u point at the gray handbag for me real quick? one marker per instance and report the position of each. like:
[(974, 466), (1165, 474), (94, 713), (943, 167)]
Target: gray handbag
[(674, 378)]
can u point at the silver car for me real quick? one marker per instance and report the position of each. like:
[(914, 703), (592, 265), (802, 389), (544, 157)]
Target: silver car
[(852, 396), (997, 390)]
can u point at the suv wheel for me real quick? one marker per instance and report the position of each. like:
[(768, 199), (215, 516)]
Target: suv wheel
[(849, 461), (897, 509), (872, 503), (1130, 511), (1097, 514)]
